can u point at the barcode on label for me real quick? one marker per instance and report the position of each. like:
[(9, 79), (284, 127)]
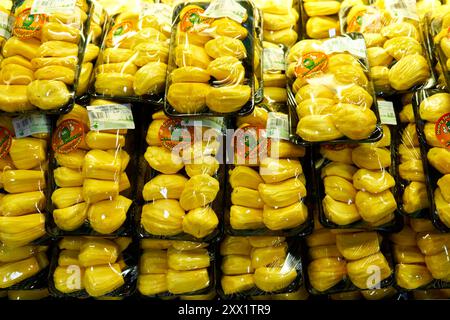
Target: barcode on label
[(402, 8), (226, 8), (277, 126), (111, 117), (28, 125), (387, 113), (52, 6)]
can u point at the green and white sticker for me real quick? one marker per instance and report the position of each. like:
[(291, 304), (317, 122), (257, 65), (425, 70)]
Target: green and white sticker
[(356, 47), (111, 117), (277, 126), (53, 6), (274, 59), (226, 9), (26, 126), (387, 113), (6, 25)]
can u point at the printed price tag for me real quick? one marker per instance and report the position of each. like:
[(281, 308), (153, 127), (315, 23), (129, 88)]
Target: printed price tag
[(274, 59), (111, 117), (387, 113), (26, 126), (53, 6), (226, 8), (402, 8), (355, 47), (6, 25), (277, 126)]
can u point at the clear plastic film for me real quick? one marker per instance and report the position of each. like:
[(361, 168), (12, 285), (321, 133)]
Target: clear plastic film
[(213, 59), (181, 186), (395, 44), (422, 258), (132, 65), (6, 22), (171, 268), (258, 266), (40, 66), (347, 260), (432, 113), (437, 24), (84, 267), (356, 185), (93, 171), (320, 18), (330, 96)]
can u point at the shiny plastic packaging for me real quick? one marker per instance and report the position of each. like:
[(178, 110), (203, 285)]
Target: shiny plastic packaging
[(320, 19), (436, 26)]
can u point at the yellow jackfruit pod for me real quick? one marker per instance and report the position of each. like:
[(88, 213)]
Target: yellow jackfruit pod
[(8, 254), (152, 137), (35, 294), (14, 74), (188, 245), (114, 84), (433, 107), (228, 98), (150, 52), (339, 169), (287, 37), (153, 261), (285, 218), (205, 165), (190, 74), (28, 48), (18, 181), (400, 29), (430, 135), (21, 224), (66, 197), (188, 97), (163, 217), (199, 191), (103, 141), (442, 205), (97, 190), (236, 265), (58, 49), (406, 237), (69, 279), (227, 70), (200, 222), (321, 237), (316, 128), (282, 194), (48, 94), (156, 244), (348, 115), (373, 207), (188, 259), (341, 154), (274, 279), (15, 272), (373, 181), (380, 78), (407, 114), (314, 92), (235, 245), (341, 213), (275, 22), (412, 276), (60, 73), (98, 251), (439, 159), (378, 56), (319, 27), (433, 243), (361, 271), (409, 153), (164, 186), (116, 55), (278, 170), (321, 8), (414, 69), (238, 283), (243, 218), (349, 74), (71, 243), (229, 28), (84, 78), (370, 158), (101, 280), (150, 79), (400, 47), (273, 256), (192, 56), (107, 216), (316, 106), (23, 237), (274, 80), (66, 177), (354, 246), (226, 46), (242, 176), (355, 95), (71, 218), (68, 62), (328, 251), (68, 257), (179, 282), (163, 160), (439, 265), (339, 189), (415, 197), (421, 225), (408, 254), (152, 284), (286, 149), (325, 273), (412, 170), (265, 241), (17, 60), (22, 203)]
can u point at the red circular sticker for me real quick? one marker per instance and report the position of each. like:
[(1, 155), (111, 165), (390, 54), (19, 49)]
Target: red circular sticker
[(120, 32), (5, 141), (251, 144), (28, 25), (443, 130), (311, 63), (68, 136), (173, 133), (194, 21)]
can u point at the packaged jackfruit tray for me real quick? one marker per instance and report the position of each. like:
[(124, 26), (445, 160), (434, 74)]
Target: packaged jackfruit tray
[(356, 185), (257, 266), (432, 113), (437, 29), (421, 256), (412, 192), (330, 96), (169, 269), (91, 183), (319, 19), (347, 260), (181, 176), (132, 65), (41, 66), (396, 44), (213, 59), (84, 267)]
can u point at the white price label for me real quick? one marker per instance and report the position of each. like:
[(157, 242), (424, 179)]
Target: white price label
[(402, 9), (6, 25), (53, 6), (226, 9), (26, 126), (355, 47), (111, 117), (387, 113), (160, 10), (277, 126), (274, 59)]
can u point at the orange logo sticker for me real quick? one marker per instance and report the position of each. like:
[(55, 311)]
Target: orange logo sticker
[(251, 145), (365, 22), (68, 136), (28, 25), (172, 133), (443, 130), (120, 32), (5, 141), (311, 63), (194, 21)]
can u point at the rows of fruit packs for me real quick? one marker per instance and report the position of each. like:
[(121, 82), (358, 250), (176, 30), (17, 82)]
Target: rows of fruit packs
[(232, 149)]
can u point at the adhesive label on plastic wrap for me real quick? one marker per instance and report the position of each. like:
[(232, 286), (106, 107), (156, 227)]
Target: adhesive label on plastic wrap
[(194, 20), (277, 126), (160, 10), (356, 47), (311, 63), (442, 129), (274, 60), (6, 25), (402, 9), (26, 126), (67, 136), (226, 9), (387, 113), (5, 141), (53, 6), (111, 117), (28, 25)]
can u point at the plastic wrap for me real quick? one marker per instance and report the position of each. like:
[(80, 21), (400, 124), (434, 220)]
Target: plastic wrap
[(6, 23), (432, 113), (331, 99), (437, 27), (212, 59), (422, 259), (40, 69), (356, 185), (259, 266), (84, 267), (398, 57), (33, 294), (345, 261), (132, 65), (176, 268), (320, 18), (182, 172), (92, 181)]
